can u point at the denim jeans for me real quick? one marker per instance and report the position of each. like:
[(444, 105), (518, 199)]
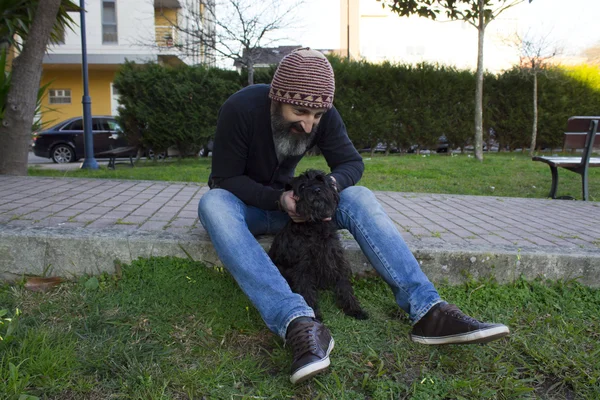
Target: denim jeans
[(232, 225)]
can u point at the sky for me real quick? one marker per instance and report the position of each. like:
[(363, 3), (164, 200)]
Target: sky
[(573, 27)]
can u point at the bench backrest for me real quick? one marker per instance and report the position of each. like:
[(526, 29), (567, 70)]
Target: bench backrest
[(578, 130)]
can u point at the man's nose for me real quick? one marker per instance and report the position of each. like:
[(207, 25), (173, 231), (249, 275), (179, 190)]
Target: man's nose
[(307, 124)]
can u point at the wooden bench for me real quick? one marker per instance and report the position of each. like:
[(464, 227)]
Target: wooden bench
[(112, 155), (580, 134)]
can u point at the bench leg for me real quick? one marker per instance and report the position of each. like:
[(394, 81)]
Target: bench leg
[(131, 161), (111, 163), (584, 184), (554, 186)]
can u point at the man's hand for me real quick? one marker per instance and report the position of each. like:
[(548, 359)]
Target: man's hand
[(334, 182), (287, 202)]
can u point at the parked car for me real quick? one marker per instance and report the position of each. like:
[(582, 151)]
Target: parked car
[(207, 148), (63, 142), (442, 146), (379, 148)]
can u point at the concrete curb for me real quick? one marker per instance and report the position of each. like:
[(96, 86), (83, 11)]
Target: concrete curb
[(69, 252)]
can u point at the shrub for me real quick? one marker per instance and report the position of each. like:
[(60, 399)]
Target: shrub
[(398, 105), (163, 106)]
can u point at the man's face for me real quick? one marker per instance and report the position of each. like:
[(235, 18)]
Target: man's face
[(294, 127)]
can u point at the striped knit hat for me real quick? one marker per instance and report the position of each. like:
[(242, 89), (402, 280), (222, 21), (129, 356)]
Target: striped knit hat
[(304, 78)]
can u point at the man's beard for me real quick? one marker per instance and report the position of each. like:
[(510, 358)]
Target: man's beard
[(288, 143)]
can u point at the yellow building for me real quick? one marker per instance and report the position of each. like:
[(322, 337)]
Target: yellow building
[(117, 31)]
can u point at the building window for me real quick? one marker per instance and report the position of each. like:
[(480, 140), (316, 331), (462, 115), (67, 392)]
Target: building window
[(109, 21), (59, 96)]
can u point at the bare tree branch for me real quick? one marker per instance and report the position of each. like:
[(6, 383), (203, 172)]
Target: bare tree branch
[(232, 29), (535, 56)]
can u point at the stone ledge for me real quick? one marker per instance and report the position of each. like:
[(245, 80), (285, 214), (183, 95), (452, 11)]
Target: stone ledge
[(68, 252)]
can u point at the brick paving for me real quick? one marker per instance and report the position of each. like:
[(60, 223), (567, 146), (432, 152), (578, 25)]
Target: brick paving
[(430, 219)]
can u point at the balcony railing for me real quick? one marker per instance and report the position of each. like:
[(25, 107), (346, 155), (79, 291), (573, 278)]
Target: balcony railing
[(110, 37), (166, 36)]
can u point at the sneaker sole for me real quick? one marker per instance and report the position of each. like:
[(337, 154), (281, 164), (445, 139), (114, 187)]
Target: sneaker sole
[(312, 369), (481, 336)]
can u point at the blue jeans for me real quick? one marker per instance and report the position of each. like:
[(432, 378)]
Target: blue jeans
[(232, 225)]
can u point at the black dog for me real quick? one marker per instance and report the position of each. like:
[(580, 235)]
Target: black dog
[(309, 254)]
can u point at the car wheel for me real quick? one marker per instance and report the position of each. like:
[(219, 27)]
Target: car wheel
[(63, 154)]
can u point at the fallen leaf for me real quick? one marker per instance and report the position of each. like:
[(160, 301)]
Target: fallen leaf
[(92, 284), (40, 284)]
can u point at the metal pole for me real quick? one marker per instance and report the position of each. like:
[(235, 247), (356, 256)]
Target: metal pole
[(348, 27), (89, 161)]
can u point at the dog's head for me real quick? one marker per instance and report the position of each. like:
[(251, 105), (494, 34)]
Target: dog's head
[(316, 193)]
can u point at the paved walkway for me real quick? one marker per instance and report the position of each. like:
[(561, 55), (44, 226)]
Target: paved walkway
[(443, 230)]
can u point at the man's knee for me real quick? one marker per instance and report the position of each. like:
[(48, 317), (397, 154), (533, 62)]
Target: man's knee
[(358, 196), (216, 202)]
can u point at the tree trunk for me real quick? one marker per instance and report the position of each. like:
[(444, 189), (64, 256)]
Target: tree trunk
[(21, 100), (250, 73), (139, 154), (479, 87), (535, 116)]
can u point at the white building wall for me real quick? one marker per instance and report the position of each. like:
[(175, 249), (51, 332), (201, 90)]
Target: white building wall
[(135, 26), (387, 36), (136, 34)]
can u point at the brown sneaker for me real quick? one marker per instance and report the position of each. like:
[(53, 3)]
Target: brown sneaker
[(446, 324), (311, 344)]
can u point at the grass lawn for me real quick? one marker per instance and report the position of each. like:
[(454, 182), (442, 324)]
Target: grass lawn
[(168, 328), (500, 174), (174, 329)]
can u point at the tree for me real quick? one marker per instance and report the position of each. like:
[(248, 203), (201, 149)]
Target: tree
[(478, 13), (33, 23), (535, 56), (237, 30)]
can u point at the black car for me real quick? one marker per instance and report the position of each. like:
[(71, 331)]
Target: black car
[(63, 142)]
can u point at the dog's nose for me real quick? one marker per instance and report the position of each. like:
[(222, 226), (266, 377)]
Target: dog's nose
[(317, 190)]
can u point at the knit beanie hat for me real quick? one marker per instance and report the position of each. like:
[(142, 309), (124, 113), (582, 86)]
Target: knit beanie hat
[(304, 78)]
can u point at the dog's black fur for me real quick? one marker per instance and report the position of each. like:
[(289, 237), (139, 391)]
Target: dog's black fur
[(309, 254)]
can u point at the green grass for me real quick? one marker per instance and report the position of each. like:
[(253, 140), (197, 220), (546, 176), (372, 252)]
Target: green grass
[(174, 329), (512, 175)]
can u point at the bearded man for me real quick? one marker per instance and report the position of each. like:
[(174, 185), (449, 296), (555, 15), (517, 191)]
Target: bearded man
[(262, 133)]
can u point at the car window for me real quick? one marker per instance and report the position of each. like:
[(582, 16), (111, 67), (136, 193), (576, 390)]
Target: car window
[(99, 124), (57, 127), (113, 125), (76, 125)]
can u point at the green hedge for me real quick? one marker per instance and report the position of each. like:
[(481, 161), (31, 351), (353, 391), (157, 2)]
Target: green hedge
[(562, 92), (162, 106), (395, 104)]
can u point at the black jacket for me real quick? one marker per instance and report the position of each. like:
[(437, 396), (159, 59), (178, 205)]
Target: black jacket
[(244, 161)]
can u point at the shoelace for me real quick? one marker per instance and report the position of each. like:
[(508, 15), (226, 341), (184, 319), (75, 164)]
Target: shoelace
[(455, 312), (302, 339)]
